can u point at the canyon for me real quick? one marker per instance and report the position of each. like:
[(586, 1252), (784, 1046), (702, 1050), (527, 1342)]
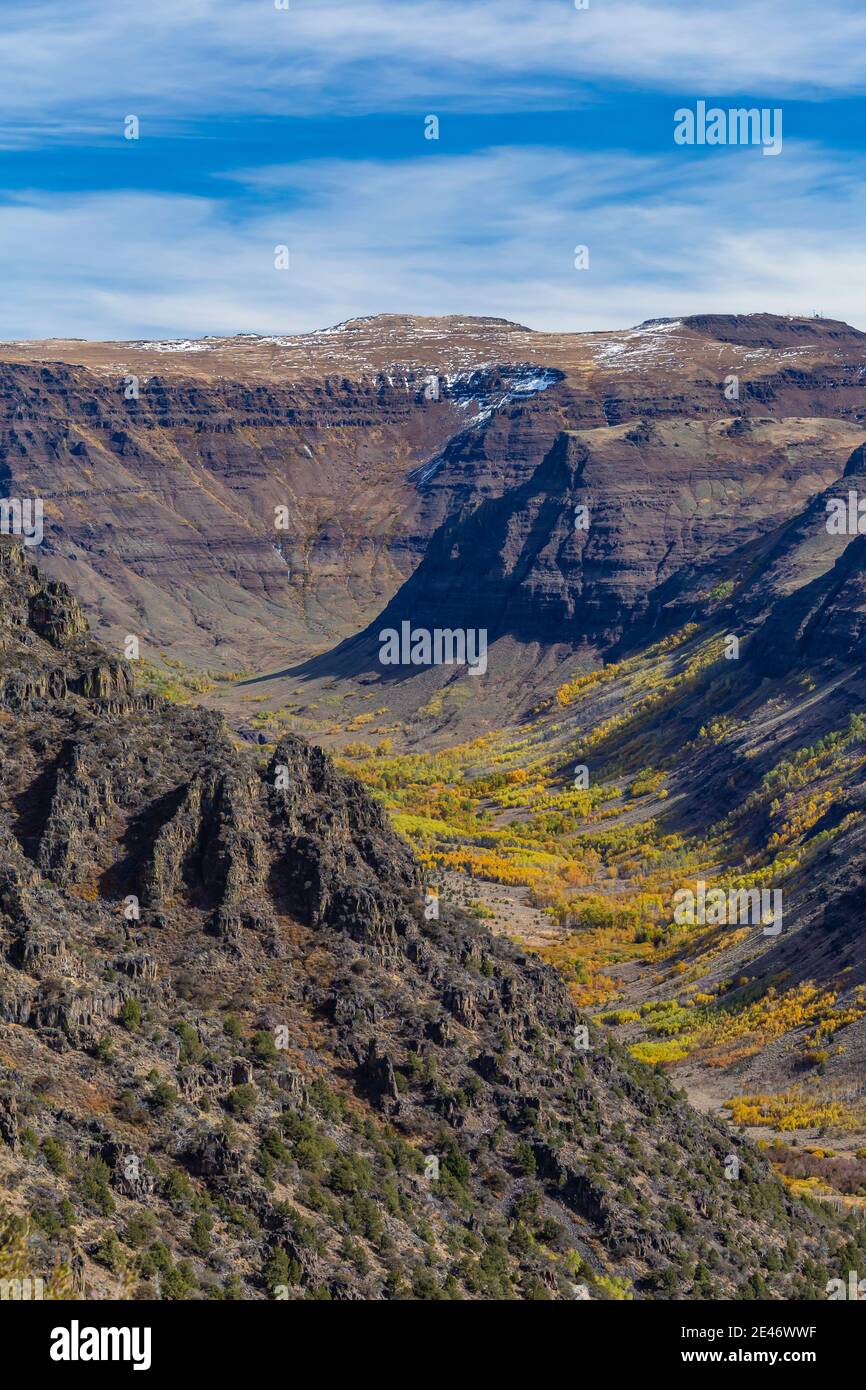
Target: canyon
[(188, 874)]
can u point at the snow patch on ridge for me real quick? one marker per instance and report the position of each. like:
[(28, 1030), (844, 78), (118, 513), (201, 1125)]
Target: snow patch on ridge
[(647, 345), (465, 389), (180, 345)]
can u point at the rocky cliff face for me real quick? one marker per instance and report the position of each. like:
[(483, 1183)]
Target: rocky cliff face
[(163, 510), (227, 521), (162, 465), (280, 1076), (622, 534)]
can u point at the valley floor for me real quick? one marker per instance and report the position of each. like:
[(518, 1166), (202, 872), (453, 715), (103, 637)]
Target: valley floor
[(766, 1033)]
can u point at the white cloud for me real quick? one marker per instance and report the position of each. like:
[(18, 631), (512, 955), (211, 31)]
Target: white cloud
[(75, 66), (490, 233)]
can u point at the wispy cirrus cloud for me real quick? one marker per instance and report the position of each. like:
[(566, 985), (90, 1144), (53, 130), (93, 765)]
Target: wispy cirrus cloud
[(573, 143), (487, 233), (72, 67)]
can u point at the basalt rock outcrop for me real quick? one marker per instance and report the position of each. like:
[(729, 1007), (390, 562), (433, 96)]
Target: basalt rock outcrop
[(238, 1060)]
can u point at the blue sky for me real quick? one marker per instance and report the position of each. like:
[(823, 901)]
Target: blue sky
[(304, 127)]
